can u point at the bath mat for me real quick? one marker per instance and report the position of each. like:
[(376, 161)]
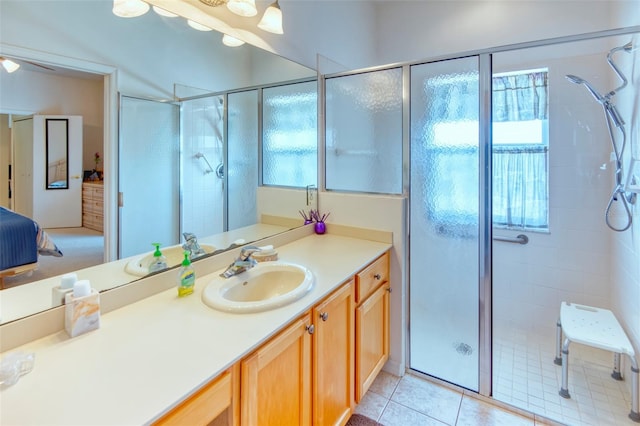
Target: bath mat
[(360, 420)]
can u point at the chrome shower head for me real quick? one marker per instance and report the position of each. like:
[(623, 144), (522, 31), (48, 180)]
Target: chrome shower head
[(577, 80), (625, 48)]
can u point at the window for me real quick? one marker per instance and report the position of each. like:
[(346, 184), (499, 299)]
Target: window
[(520, 150), (289, 135)]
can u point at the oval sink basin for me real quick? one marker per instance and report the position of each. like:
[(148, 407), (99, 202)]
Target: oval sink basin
[(267, 285), (139, 265)]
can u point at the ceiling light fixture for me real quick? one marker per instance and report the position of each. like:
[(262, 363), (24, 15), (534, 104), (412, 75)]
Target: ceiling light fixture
[(243, 7), (129, 8), (272, 19), (9, 65), (196, 26), (163, 12), (227, 40)]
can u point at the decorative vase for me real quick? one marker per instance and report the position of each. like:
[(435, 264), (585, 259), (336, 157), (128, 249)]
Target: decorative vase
[(308, 221), (320, 228)]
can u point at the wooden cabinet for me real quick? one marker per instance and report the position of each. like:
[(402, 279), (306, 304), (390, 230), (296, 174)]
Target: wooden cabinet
[(313, 371), (276, 379), (216, 400), (372, 323), (93, 205), (333, 357)]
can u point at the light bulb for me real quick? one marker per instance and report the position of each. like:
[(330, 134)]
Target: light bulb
[(163, 12), (197, 26), (227, 40), (129, 8), (243, 7), (9, 65), (272, 19)]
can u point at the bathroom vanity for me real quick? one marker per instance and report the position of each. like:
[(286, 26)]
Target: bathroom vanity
[(171, 360)]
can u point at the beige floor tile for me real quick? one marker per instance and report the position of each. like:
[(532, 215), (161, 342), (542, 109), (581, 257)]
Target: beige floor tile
[(372, 405), (399, 415), (475, 412), (384, 384), (428, 398)]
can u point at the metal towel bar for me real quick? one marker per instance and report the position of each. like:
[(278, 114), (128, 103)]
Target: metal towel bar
[(518, 239)]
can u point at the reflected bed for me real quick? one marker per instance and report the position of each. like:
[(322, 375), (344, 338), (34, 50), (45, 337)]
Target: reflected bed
[(21, 241)]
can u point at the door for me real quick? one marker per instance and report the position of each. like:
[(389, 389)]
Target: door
[(276, 379), (202, 166), (22, 168), (445, 221), (149, 175), (333, 357), (49, 206)]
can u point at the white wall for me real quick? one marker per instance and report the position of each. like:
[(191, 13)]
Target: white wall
[(625, 253), (50, 94), (430, 29), (572, 262), (387, 214)]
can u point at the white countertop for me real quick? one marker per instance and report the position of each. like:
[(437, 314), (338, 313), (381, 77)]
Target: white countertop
[(149, 356)]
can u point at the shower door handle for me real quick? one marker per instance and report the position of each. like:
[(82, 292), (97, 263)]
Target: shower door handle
[(519, 239)]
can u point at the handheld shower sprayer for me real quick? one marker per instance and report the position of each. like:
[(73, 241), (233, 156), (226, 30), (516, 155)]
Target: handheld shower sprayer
[(613, 116)]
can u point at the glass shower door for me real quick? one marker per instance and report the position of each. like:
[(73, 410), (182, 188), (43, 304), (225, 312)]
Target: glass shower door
[(148, 175), (202, 166), (445, 221)]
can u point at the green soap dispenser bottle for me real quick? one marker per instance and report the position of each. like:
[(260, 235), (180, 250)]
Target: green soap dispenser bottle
[(159, 262), (186, 277)]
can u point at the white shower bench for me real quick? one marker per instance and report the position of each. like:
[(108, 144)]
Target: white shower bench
[(597, 328)]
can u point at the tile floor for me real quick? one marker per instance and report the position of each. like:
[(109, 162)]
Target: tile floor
[(412, 400), (526, 377)]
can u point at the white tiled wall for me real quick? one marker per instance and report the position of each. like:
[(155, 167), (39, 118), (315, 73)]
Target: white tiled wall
[(202, 195), (572, 262)]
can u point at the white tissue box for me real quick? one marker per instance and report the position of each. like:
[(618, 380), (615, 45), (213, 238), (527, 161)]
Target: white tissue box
[(58, 295), (82, 314)]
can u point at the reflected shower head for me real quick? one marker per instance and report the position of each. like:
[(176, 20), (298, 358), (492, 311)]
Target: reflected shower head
[(577, 80), (625, 48)]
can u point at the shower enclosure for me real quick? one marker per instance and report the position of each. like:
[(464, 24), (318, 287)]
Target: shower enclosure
[(512, 212)]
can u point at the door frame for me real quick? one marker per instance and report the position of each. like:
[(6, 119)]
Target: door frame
[(110, 129)]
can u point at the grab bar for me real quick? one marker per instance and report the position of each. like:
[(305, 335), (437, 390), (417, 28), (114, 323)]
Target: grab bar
[(518, 239), (201, 155)]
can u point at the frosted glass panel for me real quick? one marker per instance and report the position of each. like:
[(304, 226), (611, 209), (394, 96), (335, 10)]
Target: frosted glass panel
[(290, 135), (242, 170), (444, 221), (364, 132), (149, 175), (202, 127)]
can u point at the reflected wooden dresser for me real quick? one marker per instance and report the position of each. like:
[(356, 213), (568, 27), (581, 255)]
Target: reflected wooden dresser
[(93, 205)]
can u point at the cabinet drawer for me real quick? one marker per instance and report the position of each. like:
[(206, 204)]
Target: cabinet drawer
[(371, 277), (204, 406), (93, 206)]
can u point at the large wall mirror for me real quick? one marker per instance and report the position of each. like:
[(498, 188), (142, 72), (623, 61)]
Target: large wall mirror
[(172, 62), (57, 152)]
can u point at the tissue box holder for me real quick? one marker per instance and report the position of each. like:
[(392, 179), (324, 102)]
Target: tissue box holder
[(82, 314)]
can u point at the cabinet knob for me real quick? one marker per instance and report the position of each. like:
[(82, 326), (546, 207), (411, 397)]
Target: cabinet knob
[(310, 328), (389, 289), (377, 276), (324, 316)]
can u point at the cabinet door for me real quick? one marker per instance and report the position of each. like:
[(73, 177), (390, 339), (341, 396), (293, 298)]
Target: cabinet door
[(276, 379), (372, 338), (207, 404), (333, 358)]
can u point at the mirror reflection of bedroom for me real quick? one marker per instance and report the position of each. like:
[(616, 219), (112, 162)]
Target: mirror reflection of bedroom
[(51, 205)]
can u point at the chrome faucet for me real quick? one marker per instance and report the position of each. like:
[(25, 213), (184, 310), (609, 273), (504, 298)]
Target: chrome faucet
[(191, 245), (243, 263)]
